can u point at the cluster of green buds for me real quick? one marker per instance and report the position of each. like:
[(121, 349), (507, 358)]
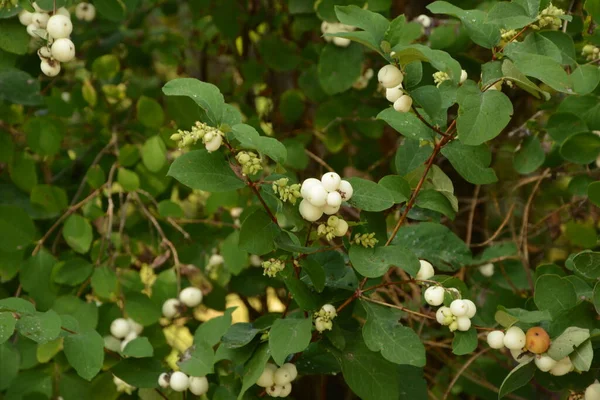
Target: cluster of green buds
[(249, 161), (507, 35), (549, 18), (272, 267), (210, 136), (335, 227), (289, 193), (440, 77), (324, 318), (365, 239), (590, 52), (117, 95)]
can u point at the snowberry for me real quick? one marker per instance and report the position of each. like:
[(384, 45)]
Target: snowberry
[(307, 184), (63, 50), (330, 210), (163, 380), (425, 270), (331, 181), (119, 328), (544, 362), (179, 381), (341, 228), (463, 323), (309, 212), (471, 308), (26, 18), (394, 93), (389, 76), (329, 310), (63, 11), (191, 296), (170, 308), (434, 295), (521, 356), (31, 30), (463, 76), (487, 270), (215, 259), (592, 392), (424, 20), (44, 52), (274, 391), (345, 190), (214, 144), (134, 326), (317, 196), (291, 369), (444, 316), (341, 42), (40, 19), (453, 326), (403, 104), (85, 12), (514, 338), (266, 378), (286, 390), (324, 27), (562, 367), (334, 199), (323, 325), (495, 339), (59, 26), (282, 376), (459, 308), (198, 385)]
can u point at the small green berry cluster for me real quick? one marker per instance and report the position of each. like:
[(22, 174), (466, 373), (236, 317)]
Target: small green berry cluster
[(324, 318), (335, 227), (210, 136), (549, 18), (365, 239), (590, 52), (272, 267), (289, 193), (249, 161)]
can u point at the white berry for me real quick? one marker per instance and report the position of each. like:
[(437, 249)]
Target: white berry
[(309, 212), (216, 259), (119, 328), (282, 376), (63, 11), (471, 308), (330, 210), (444, 316), (170, 308), (163, 380), (63, 50), (179, 381), (463, 76), (317, 196), (44, 52), (544, 362), (459, 308), (25, 17), (323, 325), (425, 270), (307, 184), (274, 391), (330, 310), (214, 144), (334, 199), (495, 339), (31, 30), (341, 228), (389, 76), (40, 19), (198, 385), (85, 12), (59, 26), (394, 93), (487, 270), (191, 296), (331, 181), (134, 326), (514, 338), (266, 378), (286, 390), (562, 367), (346, 190), (592, 392), (341, 42), (403, 104), (463, 323), (424, 20), (434, 295), (291, 369)]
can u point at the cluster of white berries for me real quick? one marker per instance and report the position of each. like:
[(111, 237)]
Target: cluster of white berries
[(531, 345), (123, 386), (211, 137), (180, 382), (323, 196), (590, 52), (487, 270), (592, 392), (391, 79), (278, 381), (441, 76), (549, 18), (324, 318), (336, 27), (190, 297), (457, 316), (55, 29), (363, 81), (123, 331), (335, 227)]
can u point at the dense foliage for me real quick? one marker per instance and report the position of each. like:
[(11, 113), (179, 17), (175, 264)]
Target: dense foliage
[(322, 199)]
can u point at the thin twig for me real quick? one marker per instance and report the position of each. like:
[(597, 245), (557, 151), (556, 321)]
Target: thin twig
[(500, 228), (318, 160), (462, 370)]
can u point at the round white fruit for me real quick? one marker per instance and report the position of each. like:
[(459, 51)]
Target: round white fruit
[(459, 308), (291, 369), (463, 76), (40, 19), (198, 385), (346, 190), (403, 104), (266, 378), (495, 339), (134, 326), (63, 11), (464, 323), (425, 270), (592, 392), (307, 184), (59, 26), (487, 270), (341, 228), (44, 52), (63, 50), (394, 93), (444, 316), (334, 199), (330, 310), (562, 367), (514, 338), (274, 391), (120, 328), (25, 17), (471, 308), (191, 296), (389, 76), (330, 210), (216, 259), (282, 376), (544, 362), (85, 12), (214, 144), (170, 308), (31, 30), (179, 381), (341, 42), (286, 390), (424, 20), (317, 196), (434, 295), (331, 181), (309, 212), (163, 380), (323, 325)]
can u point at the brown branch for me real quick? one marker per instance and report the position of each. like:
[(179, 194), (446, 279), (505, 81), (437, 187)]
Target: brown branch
[(318, 160), (499, 230), (462, 370)]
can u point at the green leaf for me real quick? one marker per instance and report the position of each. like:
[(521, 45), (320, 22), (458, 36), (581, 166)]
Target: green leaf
[(106, 67), (582, 356), (375, 262), (509, 16), (526, 316), (258, 233), (561, 125), (431, 199), (397, 186), (142, 309), (292, 105), (530, 156), (585, 107), (593, 8), (129, 180), (16, 228), (77, 232), (510, 71), (585, 78), (277, 53), (154, 154), (113, 10), (72, 272), (104, 282), (9, 364), (13, 37), (566, 343), (211, 331), (339, 67), (7, 326), (481, 116), (517, 378), (554, 294), (464, 342), (44, 135), (411, 155), (235, 258), (202, 170), (407, 124), (85, 353), (471, 162), (302, 294), (149, 112), (51, 199), (40, 327), (199, 362), (582, 148), (36, 279), (383, 332), (170, 209), (401, 32), (254, 368), (16, 304), (369, 196), (315, 271), (139, 372), (593, 192), (19, 87), (588, 264), (139, 347), (238, 335), (289, 336), (375, 25), (250, 139)]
